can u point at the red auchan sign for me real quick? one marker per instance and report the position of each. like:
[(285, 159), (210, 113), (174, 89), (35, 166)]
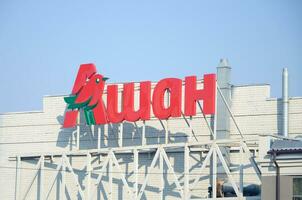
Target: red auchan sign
[(88, 90)]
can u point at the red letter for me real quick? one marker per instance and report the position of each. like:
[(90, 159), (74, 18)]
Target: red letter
[(144, 102), (207, 94), (99, 112), (85, 71), (70, 119), (112, 105), (174, 86), (128, 113)]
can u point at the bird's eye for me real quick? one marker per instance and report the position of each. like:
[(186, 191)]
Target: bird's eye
[(97, 80)]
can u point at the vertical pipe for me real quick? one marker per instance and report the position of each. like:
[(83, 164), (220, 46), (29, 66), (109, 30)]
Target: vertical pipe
[(241, 169), (42, 178), (167, 132), (18, 179), (106, 134), (88, 175), (214, 156), (161, 169), (186, 172), (110, 178), (99, 137), (224, 82), (277, 177), (285, 101), (63, 178), (215, 114), (135, 160), (189, 122), (78, 132)]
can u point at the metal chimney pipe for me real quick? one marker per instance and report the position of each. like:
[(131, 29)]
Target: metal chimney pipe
[(224, 82), (285, 102)]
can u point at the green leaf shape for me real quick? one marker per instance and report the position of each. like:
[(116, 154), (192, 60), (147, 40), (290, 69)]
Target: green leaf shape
[(89, 117), (70, 99), (88, 113), (78, 105), (90, 107)]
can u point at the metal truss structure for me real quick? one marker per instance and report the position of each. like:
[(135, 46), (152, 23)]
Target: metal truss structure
[(211, 150)]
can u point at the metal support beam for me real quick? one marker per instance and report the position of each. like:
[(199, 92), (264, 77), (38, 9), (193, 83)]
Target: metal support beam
[(99, 137), (106, 134), (241, 170), (91, 134), (248, 155), (122, 176), (214, 174), (120, 135), (129, 149), (214, 156), (190, 127), (186, 173), (161, 177), (191, 130), (63, 184), (167, 132), (203, 167), (102, 171), (171, 170), (110, 171), (229, 109), (147, 176), (144, 133), (243, 144), (37, 167), (80, 191), (164, 127), (58, 169), (227, 170), (160, 156), (205, 118)]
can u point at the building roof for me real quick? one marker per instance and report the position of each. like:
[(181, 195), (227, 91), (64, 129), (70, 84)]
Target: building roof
[(286, 146)]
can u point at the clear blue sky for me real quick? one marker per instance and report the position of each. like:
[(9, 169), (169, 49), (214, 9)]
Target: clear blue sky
[(42, 43)]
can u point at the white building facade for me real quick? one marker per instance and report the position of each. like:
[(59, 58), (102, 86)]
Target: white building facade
[(167, 159)]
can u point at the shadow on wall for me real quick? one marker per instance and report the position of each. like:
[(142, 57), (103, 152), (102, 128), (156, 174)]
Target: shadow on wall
[(132, 136), (110, 133), (54, 175)]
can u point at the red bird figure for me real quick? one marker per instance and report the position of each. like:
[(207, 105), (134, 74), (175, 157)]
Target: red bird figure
[(87, 95)]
